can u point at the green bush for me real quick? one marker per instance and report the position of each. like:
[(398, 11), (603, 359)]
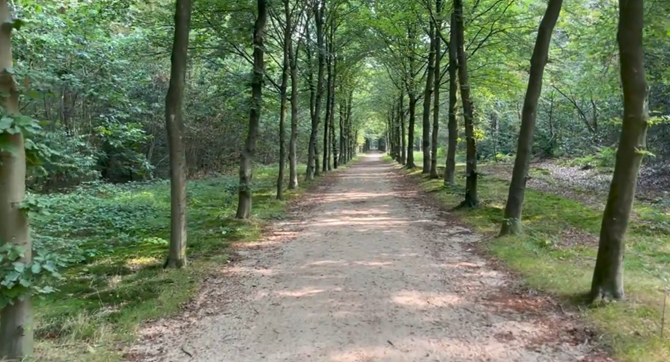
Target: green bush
[(605, 157)]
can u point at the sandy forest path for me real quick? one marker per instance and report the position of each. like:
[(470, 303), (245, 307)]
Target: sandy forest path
[(369, 272)]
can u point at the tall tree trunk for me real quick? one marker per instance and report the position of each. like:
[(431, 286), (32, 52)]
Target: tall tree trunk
[(311, 162), (399, 152), (16, 320), (283, 98), (321, 70), (326, 119), (313, 154), (246, 159), (436, 91), (608, 274), (331, 122), (175, 129), (350, 138), (512, 221), (342, 155), (293, 142), (450, 170), (401, 116), (471, 199), (410, 131), (427, 98)]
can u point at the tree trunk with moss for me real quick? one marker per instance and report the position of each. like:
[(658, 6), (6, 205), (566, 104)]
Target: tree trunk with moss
[(246, 159), (16, 320), (471, 199), (608, 274), (517, 188)]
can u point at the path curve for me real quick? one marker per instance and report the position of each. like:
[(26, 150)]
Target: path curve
[(370, 274)]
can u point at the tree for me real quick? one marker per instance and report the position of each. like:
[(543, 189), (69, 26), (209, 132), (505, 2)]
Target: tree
[(471, 199), (246, 158), (437, 78), (175, 129), (293, 142), (316, 93), (608, 274), (512, 221), (410, 84), (16, 318), (450, 169), (283, 96), (427, 98)]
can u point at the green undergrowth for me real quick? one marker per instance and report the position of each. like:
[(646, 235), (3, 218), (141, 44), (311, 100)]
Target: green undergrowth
[(557, 253), (112, 240)]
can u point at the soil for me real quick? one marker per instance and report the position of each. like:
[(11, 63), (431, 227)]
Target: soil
[(365, 271)]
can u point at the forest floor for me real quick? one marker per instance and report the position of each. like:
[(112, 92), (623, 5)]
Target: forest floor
[(561, 217), (367, 268)]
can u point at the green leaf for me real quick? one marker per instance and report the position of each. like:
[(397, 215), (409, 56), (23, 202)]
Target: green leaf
[(6, 122), (36, 268), (19, 267)]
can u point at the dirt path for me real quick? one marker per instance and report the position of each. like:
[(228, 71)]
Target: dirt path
[(369, 275)]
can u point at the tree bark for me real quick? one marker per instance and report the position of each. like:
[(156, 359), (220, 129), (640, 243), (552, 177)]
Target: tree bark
[(293, 142), (283, 98), (427, 98), (401, 116), (317, 94), (16, 320), (512, 221), (246, 159), (175, 130), (333, 144), (471, 199), (342, 155), (436, 91), (326, 119), (608, 274), (450, 170)]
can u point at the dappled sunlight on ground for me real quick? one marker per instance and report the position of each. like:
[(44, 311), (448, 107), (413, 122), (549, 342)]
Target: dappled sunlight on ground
[(367, 276)]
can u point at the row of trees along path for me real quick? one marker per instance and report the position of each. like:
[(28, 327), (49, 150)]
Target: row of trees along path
[(314, 30)]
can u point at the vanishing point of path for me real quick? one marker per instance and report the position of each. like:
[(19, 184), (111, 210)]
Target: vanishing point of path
[(368, 272)]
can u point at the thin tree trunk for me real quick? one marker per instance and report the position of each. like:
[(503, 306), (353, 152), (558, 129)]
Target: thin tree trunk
[(326, 119), (16, 320), (450, 170), (471, 199), (436, 91), (608, 274), (331, 122), (401, 115), (350, 137), (293, 143), (427, 98), (342, 155), (316, 94), (283, 98), (175, 129), (246, 159), (512, 220)]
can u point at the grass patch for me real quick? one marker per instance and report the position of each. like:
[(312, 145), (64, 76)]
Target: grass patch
[(112, 241), (557, 255)]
